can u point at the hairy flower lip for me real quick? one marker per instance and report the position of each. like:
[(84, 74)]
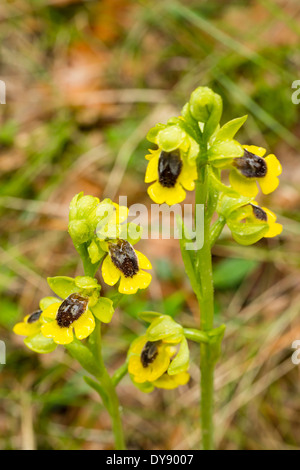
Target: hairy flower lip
[(71, 310), (124, 258), (251, 165), (35, 316), (259, 213), (149, 353), (169, 168)]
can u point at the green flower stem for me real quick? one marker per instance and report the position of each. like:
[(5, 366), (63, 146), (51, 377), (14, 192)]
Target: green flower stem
[(206, 303), (108, 386), (119, 374), (105, 385)]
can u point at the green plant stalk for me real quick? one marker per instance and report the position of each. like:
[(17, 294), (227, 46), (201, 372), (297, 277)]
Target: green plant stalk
[(107, 384), (105, 387), (206, 303)]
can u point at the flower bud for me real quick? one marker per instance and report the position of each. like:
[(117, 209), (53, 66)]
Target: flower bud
[(79, 231), (82, 218), (203, 103)]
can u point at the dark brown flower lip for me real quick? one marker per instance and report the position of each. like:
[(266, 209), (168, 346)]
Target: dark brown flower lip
[(251, 165), (124, 257), (169, 168), (35, 316), (149, 353), (259, 213), (71, 310)]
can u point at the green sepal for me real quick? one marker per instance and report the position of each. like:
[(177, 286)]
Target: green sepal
[(103, 309), (40, 344), (181, 361), (63, 286), (146, 387), (152, 134), (47, 301), (221, 154), (170, 138), (228, 204), (95, 252), (86, 283), (164, 327), (149, 316), (248, 233)]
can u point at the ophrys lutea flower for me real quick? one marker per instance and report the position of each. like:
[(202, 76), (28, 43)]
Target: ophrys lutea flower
[(63, 319), (172, 166), (252, 169), (125, 264), (30, 328), (160, 358), (171, 175)]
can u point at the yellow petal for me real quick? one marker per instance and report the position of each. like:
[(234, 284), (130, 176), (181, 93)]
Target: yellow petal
[(144, 263), (58, 334), (170, 382), (152, 170), (274, 165), (188, 176), (26, 329), (268, 183), (130, 285), (170, 196), (259, 151), (110, 273), (85, 325), (152, 154), (127, 285), (120, 215), (274, 228), (244, 186), (157, 193), (51, 311)]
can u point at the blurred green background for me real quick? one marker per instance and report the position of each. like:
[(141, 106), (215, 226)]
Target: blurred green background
[(85, 81)]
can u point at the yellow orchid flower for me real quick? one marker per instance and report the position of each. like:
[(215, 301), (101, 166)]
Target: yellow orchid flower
[(126, 264), (265, 215), (253, 168), (171, 175), (160, 363), (62, 319)]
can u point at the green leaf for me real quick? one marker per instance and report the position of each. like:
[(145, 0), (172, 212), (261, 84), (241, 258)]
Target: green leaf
[(231, 272), (39, 344), (228, 131), (181, 361), (62, 286), (103, 310)]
